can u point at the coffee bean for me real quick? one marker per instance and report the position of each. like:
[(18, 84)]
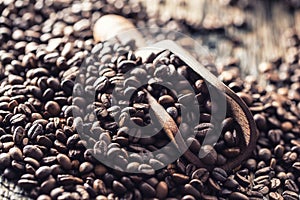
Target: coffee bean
[(16, 154), (27, 184), (64, 161), (52, 108), (190, 190), (290, 195), (147, 190), (17, 119), (119, 188), (275, 196), (291, 185), (166, 100), (202, 174), (43, 172), (210, 155), (35, 130), (4, 160), (33, 152), (180, 178), (85, 167), (161, 190), (238, 195), (219, 174), (275, 183)]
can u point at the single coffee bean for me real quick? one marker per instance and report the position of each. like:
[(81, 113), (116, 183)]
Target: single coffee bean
[(43, 172), (119, 188), (27, 184), (202, 174), (64, 161), (33, 152), (265, 154), (238, 195), (161, 190), (210, 155), (35, 130), (17, 119), (275, 196), (219, 174), (4, 160), (190, 190), (52, 108), (86, 167), (147, 190), (16, 154)]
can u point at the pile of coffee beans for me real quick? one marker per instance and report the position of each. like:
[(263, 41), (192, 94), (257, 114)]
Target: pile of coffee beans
[(44, 43)]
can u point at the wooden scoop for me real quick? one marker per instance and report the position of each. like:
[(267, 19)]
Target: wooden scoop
[(239, 110)]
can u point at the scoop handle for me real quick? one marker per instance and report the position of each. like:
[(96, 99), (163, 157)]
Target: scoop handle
[(110, 26)]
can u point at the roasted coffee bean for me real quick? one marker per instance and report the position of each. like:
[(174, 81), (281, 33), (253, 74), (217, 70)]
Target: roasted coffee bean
[(27, 184), (238, 195), (161, 190), (190, 190), (119, 188), (17, 119), (35, 130), (33, 152), (4, 160), (43, 172), (290, 195), (85, 167), (210, 155), (64, 161), (16, 154), (147, 190), (219, 174), (202, 174), (52, 108), (275, 196), (291, 185)]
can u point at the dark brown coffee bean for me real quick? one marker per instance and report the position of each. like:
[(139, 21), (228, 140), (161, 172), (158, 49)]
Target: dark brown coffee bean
[(119, 188), (290, 195), (275, 196), (17, 119), (296, 166), (4, 160), (219, 174), (161, 190), (33, 152), (214, 185), (165, 100), (265, 154), (32, 162), (43, 172), (27, 184), (291, 185), (64, 161), (180, 178), (68, 180), (147, 190), (238, 195), (275, 183), (231, 183), (190, 190), (16, 154), (243, 181), (35, 130), (86, 167), (210, 155), (202, 129), (52, 108), (202, 174)]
